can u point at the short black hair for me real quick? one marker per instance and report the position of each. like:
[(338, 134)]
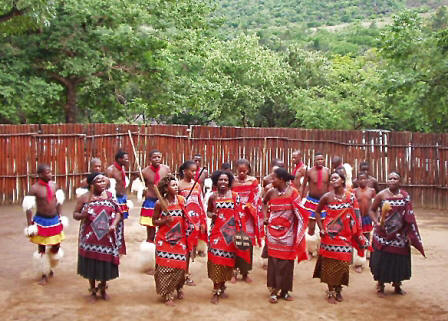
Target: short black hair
[(216, 174), (283, 174), (185, 166), (153, 152), (120, 154), (42, 168), (244, 161), (278, 162), (226, 166)]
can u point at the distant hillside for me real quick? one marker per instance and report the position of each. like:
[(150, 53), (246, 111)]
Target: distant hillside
[(254, 15)]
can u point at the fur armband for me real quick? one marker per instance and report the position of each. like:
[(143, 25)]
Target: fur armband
[(126, 181), (80, 191), (28, 203), (30, 230), (60, 196), (64, 221), (139, 187), (112, 187)]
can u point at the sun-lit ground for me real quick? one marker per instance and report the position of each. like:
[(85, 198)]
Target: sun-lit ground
[(133, 295)]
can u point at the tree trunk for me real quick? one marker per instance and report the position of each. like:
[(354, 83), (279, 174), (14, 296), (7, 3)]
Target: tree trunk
[(71, 109)]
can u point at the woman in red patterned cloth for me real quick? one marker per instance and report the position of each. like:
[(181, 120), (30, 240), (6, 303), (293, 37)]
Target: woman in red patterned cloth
[(248, 190), (285, 232), (171, 241), (224, 209), (196, 212), (99, 242), (340, 231)]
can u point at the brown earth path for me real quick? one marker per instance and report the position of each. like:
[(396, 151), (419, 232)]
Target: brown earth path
[(133, 294)]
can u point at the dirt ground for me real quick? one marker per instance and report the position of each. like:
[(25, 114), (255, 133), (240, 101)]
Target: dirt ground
[(133, 295)]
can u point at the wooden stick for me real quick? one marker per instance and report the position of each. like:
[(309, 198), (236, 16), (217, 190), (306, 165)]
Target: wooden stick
[(195, 182), (136, 158)]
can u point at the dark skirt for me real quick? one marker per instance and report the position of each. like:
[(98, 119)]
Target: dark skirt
[(97, 270), (280, 274), (331, 271), (242, 265), (387, 267)]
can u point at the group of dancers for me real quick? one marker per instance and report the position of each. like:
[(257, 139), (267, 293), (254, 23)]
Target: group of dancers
[(280, 215)]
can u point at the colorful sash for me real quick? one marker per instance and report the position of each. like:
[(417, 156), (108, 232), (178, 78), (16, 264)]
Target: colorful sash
[(156, 171), (311, 205), (123, 203), (50, 193), (49, 230), (123, 174), (147, 211), (298, 166)]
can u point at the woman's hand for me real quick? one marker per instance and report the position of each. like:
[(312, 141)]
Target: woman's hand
[(112, 228)]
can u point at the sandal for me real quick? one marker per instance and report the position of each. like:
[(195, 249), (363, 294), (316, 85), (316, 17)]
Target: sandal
[(92, 296), (331, 297), (338, 296), (287, 297), (215, 297), (398, 289), (380, 290), (189, 281), (273, 298)]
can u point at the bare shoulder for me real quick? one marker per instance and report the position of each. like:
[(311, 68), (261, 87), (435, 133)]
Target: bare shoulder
[(109, 170), (33, 189)]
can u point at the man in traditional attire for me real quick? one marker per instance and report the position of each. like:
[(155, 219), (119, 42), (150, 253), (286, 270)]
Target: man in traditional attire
[(46, 227)]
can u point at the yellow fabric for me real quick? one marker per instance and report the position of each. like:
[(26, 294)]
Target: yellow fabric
[(48, 240), (146, 221)]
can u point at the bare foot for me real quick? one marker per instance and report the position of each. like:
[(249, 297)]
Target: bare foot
[(92, 298), (224, 295), (398, 290), (190, 282), (380, 292), (51, 274), (358, 268), (233, 279), (150, 272), (170, 303), (180, 295), (331, 300), (339, 297), (214, 299), (247, 279), (287, 297), (43, 280)]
